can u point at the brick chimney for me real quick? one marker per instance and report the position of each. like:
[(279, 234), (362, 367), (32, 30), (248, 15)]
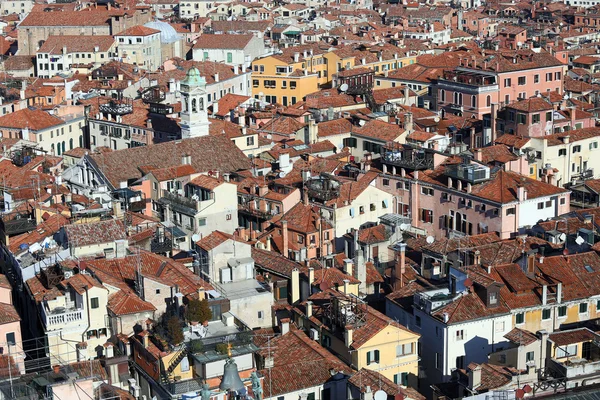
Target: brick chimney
[(400, 267), (284, 236)]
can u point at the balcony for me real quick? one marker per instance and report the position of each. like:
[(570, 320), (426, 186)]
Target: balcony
[(180, 203), (456, 107), (408, 157), (246, 208), (471, 173), (19, 223), (58, 318), (323, 188)]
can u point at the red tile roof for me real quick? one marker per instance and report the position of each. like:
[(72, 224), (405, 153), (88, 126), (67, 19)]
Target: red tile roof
[(573, 336), (123, 303), (138, 30), (76, 44), (33, 119), (80, 235), (223, 41)]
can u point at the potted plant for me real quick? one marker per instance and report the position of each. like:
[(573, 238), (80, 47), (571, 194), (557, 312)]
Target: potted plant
[(198, 311)]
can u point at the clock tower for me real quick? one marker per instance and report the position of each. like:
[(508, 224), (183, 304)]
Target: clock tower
[(194, 117)]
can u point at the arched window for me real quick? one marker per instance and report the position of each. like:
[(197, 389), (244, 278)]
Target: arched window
[(488, 101), (80, 140), (52, 148), (63, 147), (58, 149), (194, 106), (442, 95), (71, 144), (473, 101)]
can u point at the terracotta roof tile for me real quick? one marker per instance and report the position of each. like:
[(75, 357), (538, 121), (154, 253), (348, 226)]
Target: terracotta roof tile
[(123, 303), (95, 233)]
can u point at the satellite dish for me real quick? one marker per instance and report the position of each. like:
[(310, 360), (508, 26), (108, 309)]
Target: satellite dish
[(562, 237), (430, 239), (580, 240), (380, 395), (436, 119), (195, 237), (344, 87), (404, 227)]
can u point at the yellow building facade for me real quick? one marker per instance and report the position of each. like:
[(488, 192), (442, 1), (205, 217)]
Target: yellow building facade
[(288, 77)]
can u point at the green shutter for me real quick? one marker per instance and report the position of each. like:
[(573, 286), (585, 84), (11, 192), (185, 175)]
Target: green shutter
[(376, 356), (368, 357)]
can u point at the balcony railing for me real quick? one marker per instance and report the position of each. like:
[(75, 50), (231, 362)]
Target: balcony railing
[(60, 320), (247, 209), (179, 199)]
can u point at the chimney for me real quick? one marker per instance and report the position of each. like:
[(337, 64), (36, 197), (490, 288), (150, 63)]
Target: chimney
[(400, 267), (477, 258), (109, 351), (521, 193), (296, 57), (559, 292), (145, 339), (475, 377), (408, 122), (494, 111), (284, 234), (348, 266), (309, 305), (284, 325), (216, 77), (346, 286), (406, 95), (311, 275), (236, 69), (348, 336), (216, 108), (305, 196), (566, 139), (477, 154), (544, 295), (295, 285)]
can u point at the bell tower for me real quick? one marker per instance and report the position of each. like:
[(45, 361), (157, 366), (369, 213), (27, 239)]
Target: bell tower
[(194, 116)]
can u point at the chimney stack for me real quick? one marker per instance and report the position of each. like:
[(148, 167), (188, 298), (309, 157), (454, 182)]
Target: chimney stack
[(284, 234), (400, 267), (309, 305)]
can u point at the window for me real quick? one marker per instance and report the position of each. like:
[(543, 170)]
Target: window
[(401, 379), (10, 339), (250, 141), (549, 77), (562, 311), (229, 57), (361, 209), (535, 118), (202, 222), (372, 357), (593, 145), (438, 360), (255, 83), (520, 318), (548, 116), (427, 191), (386, 182), (292, 84), (404, 349), (583, 308), (426, 215), (529, 356), (545, 314), (522, 80), (548, 203), (460, 335), (521, 119), (566, 351), (557, 76), (157, 291), (536, 78), (511, 211), (384, 204), (460, 362), (562, 152), (418, 321), (507, 82), (260, 315), (94, 302), (576, 149), (562, 201)]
